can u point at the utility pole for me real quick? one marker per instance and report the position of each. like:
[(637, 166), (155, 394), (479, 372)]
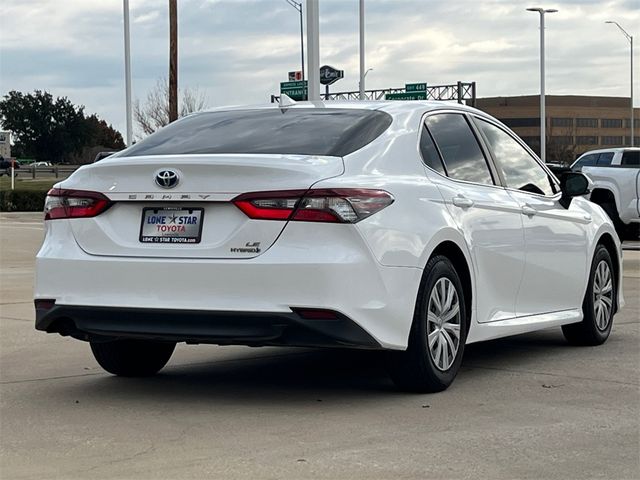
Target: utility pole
[(173, 60), (313, 50), (127, 73)]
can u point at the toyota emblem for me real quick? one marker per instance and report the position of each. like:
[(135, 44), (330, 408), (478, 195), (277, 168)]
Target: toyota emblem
[(167, 178)]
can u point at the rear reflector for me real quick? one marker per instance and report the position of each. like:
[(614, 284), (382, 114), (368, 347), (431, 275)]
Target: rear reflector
[(63, 203), (337, 205), (316, 314), (44, 303)]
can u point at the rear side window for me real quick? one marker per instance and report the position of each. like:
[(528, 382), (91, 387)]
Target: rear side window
[(460, 150), (604, 159), (631, 158), (295, 131), (429, 152)]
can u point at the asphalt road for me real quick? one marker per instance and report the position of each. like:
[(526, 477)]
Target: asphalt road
[(525, 407)]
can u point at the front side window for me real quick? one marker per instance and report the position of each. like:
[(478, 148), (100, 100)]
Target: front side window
[(519, 169), (604, 159), (460, 150), (586, 161)]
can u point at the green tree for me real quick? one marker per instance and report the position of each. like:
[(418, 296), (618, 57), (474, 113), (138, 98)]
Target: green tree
[(101, 134), (55, 130), (44, 128)]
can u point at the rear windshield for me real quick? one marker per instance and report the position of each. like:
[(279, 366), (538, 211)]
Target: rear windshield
[(298, 131)]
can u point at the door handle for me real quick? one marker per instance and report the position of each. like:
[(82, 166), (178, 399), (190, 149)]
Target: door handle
[(462, 202), (528, 211)]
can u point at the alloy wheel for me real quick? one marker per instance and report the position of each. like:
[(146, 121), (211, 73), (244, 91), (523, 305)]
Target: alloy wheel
[(443, 324), (602, 295)]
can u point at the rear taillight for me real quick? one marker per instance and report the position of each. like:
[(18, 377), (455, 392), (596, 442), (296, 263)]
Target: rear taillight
[(62, 203), (336, 205)]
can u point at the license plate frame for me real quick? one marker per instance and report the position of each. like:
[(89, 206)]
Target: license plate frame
[(170, 237)]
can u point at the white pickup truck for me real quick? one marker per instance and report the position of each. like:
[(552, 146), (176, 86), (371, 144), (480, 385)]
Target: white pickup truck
[(615, 173)]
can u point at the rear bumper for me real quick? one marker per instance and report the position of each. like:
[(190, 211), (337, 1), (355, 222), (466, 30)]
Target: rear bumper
[(242, 301), (193, 326)]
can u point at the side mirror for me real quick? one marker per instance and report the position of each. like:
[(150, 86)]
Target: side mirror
[(572, 184)]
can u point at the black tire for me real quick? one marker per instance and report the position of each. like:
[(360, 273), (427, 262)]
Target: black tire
[(132, 358), (612, 212), (415, 369), (590, 330)]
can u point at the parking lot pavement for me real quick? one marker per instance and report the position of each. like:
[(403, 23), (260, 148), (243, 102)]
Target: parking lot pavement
[(525, 407)]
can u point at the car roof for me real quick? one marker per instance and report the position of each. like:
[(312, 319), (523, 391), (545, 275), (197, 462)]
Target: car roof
[(605, 150), (389, 106)]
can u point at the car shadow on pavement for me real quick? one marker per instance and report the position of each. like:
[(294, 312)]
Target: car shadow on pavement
[(294, 376)]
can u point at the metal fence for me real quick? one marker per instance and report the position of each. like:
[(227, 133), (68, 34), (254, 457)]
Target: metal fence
[(460, 92), (56, 171)]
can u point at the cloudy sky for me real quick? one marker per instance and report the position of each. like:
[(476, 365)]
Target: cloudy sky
[(237, 51)]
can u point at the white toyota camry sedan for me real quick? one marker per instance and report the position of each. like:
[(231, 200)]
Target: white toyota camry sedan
[(413, 227)]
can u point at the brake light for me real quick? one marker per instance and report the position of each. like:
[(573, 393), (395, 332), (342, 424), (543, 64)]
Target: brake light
[(335, 205), (63, 203)]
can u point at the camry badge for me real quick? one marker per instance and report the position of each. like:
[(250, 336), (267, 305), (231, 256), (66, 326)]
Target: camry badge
[(167, 178)]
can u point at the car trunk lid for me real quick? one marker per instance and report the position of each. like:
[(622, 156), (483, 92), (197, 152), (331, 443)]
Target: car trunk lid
[(206, 184)]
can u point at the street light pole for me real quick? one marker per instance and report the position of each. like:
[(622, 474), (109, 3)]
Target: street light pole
[(543, 134), (298, 7), (630, 38), (362, 72), (127, 72), (313, 50), (365, 75)]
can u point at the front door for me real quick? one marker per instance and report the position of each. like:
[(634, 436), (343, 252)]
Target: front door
[(555, 238)]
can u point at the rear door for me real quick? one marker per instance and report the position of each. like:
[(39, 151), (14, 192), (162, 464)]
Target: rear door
[(555, 238), (484, 212)]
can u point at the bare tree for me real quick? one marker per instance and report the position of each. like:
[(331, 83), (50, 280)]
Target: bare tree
[(561, 145), (154, 113)]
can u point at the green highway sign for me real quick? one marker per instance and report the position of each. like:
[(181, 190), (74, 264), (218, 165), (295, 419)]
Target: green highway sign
[(292, 85), (295, 90), (416, 87), (300, 94), (406, 96)]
